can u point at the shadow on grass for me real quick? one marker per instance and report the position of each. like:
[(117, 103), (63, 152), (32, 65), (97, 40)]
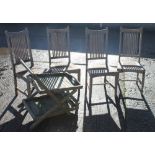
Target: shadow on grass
[(102, 122), (62, 123), (137, 120), (14, 124)]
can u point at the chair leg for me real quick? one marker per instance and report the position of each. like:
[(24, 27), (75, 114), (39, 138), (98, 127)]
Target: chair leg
[(105, 79), (28, 88), (116, 87), (79, 75), (86, 85), (15, 83), (116, 84), (143, 79), (90, 89), (137, 78)]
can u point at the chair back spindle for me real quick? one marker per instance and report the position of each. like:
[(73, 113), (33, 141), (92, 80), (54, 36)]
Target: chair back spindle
[(96, 45), (130, 42), (19, 46)]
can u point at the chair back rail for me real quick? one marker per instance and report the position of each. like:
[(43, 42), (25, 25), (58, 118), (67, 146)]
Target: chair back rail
[(96, 44), (19, 46), (58, 43)]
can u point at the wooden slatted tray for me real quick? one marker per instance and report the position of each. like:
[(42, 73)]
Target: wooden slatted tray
[(57, 82)]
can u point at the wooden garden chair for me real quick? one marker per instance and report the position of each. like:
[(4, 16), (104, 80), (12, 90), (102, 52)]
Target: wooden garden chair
[(59, 49), (59, 88), (130, 46), (19, 46), (97, 49)]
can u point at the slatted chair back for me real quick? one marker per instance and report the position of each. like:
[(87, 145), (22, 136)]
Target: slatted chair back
[(58, 43), (130, 42), (96, 44), (19, 46)]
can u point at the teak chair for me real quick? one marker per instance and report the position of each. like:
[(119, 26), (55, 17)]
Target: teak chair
[(59, 48), (19, 46), (96, 49), (60, 88), (130, 46)]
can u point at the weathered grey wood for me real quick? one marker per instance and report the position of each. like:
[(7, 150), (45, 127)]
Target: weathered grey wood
[(19, 46), (130, 42), (41, 108), (58, 43), (59, 48), (96, 43), (97, 49), (54, 84), (130, 46)]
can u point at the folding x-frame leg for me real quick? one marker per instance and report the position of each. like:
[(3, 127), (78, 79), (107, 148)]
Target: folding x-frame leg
[(60, 103)]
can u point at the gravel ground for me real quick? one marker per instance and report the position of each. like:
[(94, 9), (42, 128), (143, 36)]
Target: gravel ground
[(129, 115)]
